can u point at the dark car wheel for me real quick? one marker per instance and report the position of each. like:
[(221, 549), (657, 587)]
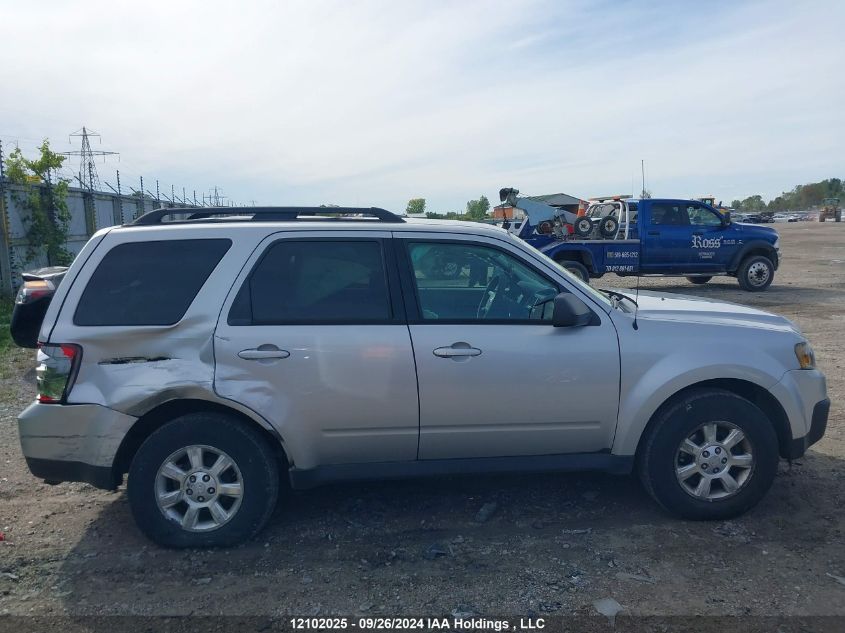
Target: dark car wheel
[(755, 273), (578, 269), (698, 280), (203, 480), (710, 455), (608, 227)]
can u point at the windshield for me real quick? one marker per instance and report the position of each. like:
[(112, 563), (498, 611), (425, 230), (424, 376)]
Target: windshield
[(598, 296)]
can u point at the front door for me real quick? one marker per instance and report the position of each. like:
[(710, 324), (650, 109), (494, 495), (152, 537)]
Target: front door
[(495, 377), (313, 337), (708, 242)]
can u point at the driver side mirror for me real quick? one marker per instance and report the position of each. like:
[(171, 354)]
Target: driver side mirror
[(727, 215), (570, 311)]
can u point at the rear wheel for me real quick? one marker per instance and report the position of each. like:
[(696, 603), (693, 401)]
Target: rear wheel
[(578, 269), (699, 280), (711, 455), (203, 480), (755, 273)]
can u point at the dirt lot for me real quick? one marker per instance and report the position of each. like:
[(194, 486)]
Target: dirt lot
[(552, 544)]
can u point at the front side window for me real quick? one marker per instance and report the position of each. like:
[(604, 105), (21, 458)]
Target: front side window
[(470, 282), (699, 215), (148, 283), (315, 281)]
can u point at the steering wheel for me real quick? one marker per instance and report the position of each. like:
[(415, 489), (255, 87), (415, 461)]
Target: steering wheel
[(488, 297)]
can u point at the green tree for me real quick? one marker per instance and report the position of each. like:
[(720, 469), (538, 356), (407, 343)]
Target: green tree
[(753, 203), (415, 205), (477, 210), (736, 205), (45, 201)]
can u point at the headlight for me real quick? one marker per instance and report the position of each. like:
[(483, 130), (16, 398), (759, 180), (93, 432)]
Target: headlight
[(806, 357), (777, 243)]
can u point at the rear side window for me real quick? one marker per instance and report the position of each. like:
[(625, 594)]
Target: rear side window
[(148, 283), (315, 281)]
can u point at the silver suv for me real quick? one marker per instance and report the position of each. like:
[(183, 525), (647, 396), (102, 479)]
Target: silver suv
[(216, 357)]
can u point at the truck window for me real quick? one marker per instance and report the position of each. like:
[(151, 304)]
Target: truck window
[(668, 214), (699, 215), (148, 283)]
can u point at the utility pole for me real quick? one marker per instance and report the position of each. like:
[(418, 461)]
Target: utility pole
[(88, 178)]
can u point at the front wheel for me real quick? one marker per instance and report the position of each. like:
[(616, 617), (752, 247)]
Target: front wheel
[(203, 480), (698, 280), (756, 273), (710, 455)]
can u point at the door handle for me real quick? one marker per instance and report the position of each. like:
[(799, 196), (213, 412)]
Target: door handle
[(654, 232), (457, 350), (262, 354)]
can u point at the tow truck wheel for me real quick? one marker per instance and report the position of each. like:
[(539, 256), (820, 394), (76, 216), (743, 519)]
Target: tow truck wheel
[(608, 227), (583, 226), (578, 269), (698, 280), (755, 273)]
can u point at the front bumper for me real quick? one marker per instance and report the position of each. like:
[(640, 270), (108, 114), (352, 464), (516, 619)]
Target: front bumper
[(72, 442), (818, 425)]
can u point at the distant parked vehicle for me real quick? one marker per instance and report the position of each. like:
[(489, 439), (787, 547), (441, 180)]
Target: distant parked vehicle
[(31, 303), (781, 217)]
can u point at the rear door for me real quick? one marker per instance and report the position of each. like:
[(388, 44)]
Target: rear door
[(313, 337), (666, 247)]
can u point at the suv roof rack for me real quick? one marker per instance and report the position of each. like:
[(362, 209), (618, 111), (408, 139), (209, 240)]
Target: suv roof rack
[(265, 214)]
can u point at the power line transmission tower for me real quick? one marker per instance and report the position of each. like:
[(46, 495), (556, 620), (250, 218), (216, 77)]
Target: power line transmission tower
[(87, 177)]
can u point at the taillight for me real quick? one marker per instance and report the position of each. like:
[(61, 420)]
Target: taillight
[(56, 370), (34, 289)]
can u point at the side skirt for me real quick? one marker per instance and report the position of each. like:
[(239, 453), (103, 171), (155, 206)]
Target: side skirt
[(310, 478)]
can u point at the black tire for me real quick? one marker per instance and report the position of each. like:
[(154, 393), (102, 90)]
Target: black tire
[(698, 280), (583, 226), (658, 456), (578, 269), (751, 276), (608, 227), (247, 448)]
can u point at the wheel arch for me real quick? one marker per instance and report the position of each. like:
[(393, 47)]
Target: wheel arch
[(172, 409), (755, 247), (582, 256), (750, 391)]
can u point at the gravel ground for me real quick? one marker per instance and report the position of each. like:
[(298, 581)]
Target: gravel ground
[(544, 544)]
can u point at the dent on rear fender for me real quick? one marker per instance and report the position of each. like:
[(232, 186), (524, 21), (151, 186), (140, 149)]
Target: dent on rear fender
[(134, 374)]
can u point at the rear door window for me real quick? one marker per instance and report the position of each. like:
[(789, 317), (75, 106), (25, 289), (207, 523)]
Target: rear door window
[(315, 281), (148, 283)]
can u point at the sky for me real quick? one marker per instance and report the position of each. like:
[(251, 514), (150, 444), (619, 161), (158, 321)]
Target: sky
[(371, 103)]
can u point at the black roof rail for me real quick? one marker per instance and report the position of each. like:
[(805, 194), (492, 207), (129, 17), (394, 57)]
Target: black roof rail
[(267, 214)]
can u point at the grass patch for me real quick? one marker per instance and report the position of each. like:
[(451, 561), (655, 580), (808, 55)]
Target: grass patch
[(6, 307)]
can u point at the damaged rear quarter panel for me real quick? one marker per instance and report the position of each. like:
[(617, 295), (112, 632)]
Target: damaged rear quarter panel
[(132, 369)]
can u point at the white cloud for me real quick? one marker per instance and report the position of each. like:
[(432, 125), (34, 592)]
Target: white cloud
[(377, 102)]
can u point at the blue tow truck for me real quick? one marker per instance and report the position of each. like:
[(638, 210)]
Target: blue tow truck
[(649, 236)]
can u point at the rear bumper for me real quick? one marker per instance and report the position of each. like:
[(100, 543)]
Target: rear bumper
[(72, 442)]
